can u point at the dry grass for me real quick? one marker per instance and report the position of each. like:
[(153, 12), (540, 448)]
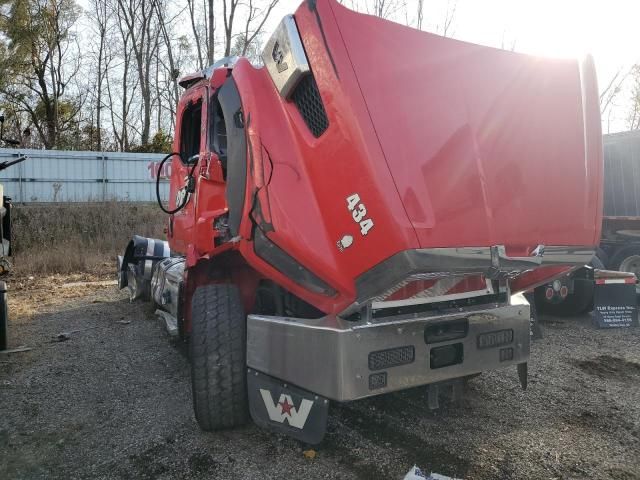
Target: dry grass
[(68, 238)]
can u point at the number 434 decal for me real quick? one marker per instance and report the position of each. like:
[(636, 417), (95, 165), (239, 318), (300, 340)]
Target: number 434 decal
[(359, 213)]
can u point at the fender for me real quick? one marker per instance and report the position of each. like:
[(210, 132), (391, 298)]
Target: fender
[(135, 267)]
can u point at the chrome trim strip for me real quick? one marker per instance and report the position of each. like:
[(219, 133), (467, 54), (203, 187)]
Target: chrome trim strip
[(493, 262), (440, 297), (284, 57), (329, 356)]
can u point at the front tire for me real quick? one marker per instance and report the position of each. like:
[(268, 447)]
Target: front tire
[(217, 351)]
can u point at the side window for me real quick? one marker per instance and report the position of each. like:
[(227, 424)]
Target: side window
[(190, 130), (218, 132)]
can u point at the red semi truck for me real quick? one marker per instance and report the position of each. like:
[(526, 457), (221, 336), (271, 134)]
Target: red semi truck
[(361, 215)]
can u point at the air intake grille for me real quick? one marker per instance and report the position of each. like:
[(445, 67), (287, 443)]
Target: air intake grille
[(307, 98), (393, 357), (377, 380)]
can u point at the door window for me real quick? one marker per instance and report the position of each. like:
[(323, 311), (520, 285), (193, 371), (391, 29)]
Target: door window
[(190, 131)]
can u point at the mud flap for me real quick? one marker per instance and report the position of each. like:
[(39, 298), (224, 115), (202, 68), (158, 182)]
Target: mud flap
[(535, 331), (287, 409), (523, 374)]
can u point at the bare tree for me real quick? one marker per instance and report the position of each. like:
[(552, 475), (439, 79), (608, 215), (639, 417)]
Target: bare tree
[(120, 121), (142, 25), (211, 32), (633, 120), (450, 14), (384, 8), (168, 44), (100, 14), (613, 88), (228, 15), (445, 28), (420, 14), (507, 45), (196, 33), (256, 17)]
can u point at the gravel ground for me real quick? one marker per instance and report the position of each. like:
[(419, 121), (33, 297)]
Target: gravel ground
[(114, 401)]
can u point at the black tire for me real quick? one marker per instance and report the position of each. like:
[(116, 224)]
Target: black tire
[(620, 256), (597, 263), (575, 303), (624, 256), (602, 257), (217, 351), (4, 317)]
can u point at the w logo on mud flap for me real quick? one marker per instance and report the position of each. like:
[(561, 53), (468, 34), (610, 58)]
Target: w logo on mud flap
[(285, 410)]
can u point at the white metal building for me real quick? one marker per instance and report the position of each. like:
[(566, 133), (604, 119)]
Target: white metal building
[(69, 176)]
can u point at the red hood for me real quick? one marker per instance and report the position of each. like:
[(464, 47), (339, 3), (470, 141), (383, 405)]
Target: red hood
[(485, 146), (446, 143)]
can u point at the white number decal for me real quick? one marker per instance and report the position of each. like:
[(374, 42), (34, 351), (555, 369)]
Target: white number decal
[(359, 213), (352, 201), (365, 226)]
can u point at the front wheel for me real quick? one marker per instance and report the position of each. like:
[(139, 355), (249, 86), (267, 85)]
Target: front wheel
[(217, 350)]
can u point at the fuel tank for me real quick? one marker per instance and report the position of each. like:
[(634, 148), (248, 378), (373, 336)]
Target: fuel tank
[(379, 152)]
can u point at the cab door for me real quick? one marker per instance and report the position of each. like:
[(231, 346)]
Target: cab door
[(191, 142)]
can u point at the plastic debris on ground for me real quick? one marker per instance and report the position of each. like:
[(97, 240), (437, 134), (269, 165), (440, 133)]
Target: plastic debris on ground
[(310, 454), (416, 474), (170, 323)]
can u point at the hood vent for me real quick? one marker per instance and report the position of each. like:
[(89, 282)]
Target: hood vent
[(307, 98)]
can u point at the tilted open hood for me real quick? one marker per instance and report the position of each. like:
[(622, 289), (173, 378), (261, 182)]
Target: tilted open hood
[(434, 143)]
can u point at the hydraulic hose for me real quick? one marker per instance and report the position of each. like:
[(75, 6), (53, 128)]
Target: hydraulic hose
[(190, 186)]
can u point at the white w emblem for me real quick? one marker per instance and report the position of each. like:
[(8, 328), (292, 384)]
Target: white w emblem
[(285, 410)]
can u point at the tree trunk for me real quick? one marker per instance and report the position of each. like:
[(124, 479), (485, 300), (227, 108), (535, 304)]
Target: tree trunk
[(99, 94), (210, 47), (196, 34)]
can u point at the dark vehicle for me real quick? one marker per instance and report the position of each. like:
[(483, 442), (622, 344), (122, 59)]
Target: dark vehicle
[(5, 236), (620, 242)]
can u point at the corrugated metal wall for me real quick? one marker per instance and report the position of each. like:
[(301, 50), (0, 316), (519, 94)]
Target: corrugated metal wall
[(65, 176), (622, 174)]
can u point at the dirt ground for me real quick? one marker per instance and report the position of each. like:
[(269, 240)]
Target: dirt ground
[(113, 400)]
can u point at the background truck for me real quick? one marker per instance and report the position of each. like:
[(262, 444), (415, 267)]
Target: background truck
[(619, 247), (359, 215)]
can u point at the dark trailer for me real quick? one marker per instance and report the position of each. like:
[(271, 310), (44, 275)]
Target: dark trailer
[(621, 223), (620, 241)]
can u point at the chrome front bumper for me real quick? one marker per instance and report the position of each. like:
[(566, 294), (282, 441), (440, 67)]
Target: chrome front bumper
[(344, 360)]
